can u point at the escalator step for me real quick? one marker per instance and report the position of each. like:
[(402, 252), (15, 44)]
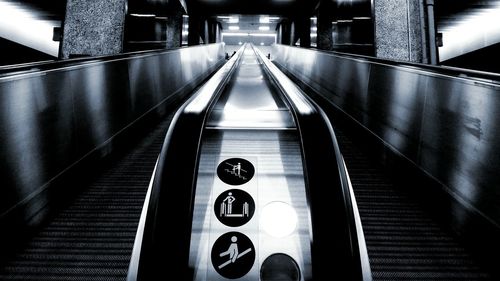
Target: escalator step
[(403, 241), (92, 238)]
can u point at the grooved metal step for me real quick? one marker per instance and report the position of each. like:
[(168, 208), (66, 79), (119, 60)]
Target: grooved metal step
[(403, 241), (92, 238)]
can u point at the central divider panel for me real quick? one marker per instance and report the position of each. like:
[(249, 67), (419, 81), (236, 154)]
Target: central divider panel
[(251, 220)]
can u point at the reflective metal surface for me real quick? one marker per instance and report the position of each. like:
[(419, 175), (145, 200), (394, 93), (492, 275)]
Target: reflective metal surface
[(446, 125), (342, 249), (249, 101), (51, 120), (173, 179), (229, 198)]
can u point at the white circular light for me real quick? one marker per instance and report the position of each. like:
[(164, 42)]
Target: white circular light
[(278, 219)]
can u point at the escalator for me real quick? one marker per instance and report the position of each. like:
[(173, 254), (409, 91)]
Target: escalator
[(92, 238), (250, 185), (404, 241), (72, 187)]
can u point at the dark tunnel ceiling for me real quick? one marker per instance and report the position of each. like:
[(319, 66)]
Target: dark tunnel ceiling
[(447, 11), (276, 7), (218, 7)]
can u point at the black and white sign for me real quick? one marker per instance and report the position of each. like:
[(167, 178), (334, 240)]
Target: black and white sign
[(233, 255), (235, 171), (234, 207)]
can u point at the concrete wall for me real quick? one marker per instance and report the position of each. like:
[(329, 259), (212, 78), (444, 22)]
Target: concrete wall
[(398, 30), (93, 27)]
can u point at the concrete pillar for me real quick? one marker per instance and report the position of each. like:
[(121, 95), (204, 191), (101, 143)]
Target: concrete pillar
[(303, 31), (218, 34), (278, 33), (195, 30), (284, 32), (204, 31), (174, 30), (399, 30), (214, 28), (160, 29), (293, 36), (324, 40), (93, 27)]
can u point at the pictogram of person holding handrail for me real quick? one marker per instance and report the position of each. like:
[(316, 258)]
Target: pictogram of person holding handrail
[(232, 251)]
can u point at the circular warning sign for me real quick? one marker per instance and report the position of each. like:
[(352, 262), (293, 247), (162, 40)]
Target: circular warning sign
[(234, 207), (233, 255), (235, 171)]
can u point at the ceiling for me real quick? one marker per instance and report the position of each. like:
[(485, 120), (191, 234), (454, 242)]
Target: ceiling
[(447, 12), (218, 7), (275, 7)]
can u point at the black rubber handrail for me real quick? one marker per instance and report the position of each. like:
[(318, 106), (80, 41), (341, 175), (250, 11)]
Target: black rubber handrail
[(24, 68), (436, 69), (164, 247), (341, 253)]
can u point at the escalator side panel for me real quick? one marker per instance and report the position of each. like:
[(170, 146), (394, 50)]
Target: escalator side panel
[(439, 129), (92, 238), (64, 121), (172, 188)]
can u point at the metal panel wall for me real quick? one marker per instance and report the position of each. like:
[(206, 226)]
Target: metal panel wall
[(447, 125), (52, 119)]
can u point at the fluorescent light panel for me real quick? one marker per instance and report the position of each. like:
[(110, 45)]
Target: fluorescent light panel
[(143, 15), (248, 34), (264, 19)]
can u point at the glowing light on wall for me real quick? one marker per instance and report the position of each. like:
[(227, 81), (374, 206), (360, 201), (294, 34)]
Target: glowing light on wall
[(473, 32), (143, 15), (248, 34), (20, 25), (264, 28), (267, 19), (234, 20), (234, 27)]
